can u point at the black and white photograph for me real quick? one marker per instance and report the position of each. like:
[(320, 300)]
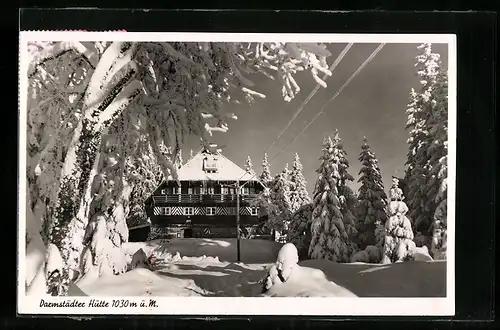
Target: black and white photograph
[(262, 174)]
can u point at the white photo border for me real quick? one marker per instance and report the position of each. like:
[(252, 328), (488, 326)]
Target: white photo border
[(242, 305)]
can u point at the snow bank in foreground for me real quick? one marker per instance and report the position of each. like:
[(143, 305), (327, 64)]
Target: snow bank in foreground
[(189, 267), (185, 277), (308, 282), (142, 282), (406, 279), (422, 254)]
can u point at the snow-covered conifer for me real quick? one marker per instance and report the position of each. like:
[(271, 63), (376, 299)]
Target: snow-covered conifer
[(371, 196), (349, 202), (436, 184), (249, 166), (440, 223), (398, 241), (265, 176), (298, 186), (329, 234), (426, 111), (280, 198)]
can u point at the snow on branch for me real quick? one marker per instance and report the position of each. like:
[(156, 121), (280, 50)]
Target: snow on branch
[(254, 93), (116, 56), (210, 129), (89, 55), (229, 115), (58, 49), (121, 101), (288, 59)]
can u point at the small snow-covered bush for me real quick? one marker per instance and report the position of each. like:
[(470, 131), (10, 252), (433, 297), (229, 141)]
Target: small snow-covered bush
[(374, 253), (404, 251), (279, 272), (139, 258), (371, 254), (360, 256), (422, 254)]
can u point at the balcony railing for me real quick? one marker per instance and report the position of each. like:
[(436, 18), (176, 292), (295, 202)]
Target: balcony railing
[(202, 198)]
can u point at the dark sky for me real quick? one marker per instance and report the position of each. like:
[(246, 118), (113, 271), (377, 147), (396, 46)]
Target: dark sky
[(372, 105)]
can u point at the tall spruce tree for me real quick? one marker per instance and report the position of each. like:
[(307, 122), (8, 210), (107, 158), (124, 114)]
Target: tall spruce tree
[(329, 235), (437, 181), (371, 196), (266, 176), (249, 166), (349, 202), (280, 198), (263, 201), (298, 186), (424, 118), (440, 224)]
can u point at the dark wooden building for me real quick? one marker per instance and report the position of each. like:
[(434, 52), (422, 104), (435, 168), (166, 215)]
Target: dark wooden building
[(204, 204)]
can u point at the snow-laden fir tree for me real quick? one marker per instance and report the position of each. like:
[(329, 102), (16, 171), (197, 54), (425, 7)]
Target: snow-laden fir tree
[(265, 176), (249, 166), (263, 201), (280, 198), (298, 186), (372, 198), (398, 241), (440, 224), (422, 112), (348, 199), (158, 91), (329, 234), (436, 184), (274, 203), (298, 198)]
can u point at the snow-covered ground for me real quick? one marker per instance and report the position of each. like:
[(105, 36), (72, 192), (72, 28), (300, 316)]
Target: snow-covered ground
[(207, 267), (190, 267), (406, 279)]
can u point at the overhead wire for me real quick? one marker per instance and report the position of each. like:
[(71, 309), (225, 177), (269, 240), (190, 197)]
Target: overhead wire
[(310, 96), (323, 108), (313, 92)]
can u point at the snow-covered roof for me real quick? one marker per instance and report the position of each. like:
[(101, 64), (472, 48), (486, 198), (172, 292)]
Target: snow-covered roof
[(194, 169)]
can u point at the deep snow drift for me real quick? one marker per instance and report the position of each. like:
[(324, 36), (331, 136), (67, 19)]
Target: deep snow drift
[(207, 267)]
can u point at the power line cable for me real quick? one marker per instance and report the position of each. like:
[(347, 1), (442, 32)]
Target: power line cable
[(313, 92), (310, 96), (322, 110)]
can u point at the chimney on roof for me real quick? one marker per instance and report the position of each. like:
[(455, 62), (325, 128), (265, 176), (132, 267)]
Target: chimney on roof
[(212, 148)]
